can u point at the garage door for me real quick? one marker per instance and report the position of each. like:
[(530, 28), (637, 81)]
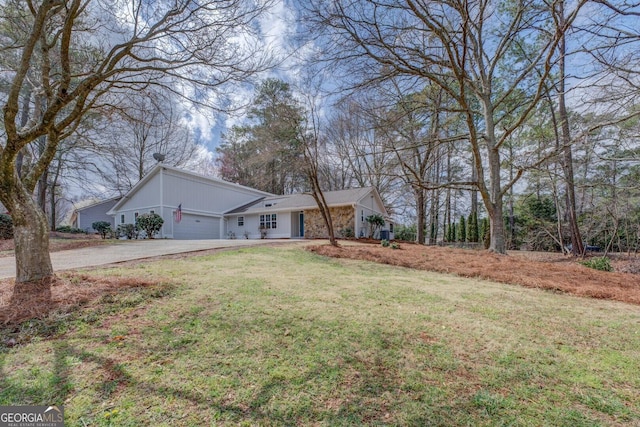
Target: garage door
[(193, 227)]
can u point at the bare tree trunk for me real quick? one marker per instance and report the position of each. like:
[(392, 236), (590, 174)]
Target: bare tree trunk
[(433, 223), (41, 191), (52, 196), (497, 228), (512, 219), (24, 117), (31, 236), (316, 191), (474, 192), (421, 215), (567, 164), (493, 197)]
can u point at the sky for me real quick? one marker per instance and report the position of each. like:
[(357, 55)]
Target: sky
[(276, 30)]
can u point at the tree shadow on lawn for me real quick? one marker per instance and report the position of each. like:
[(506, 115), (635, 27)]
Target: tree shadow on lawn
[(56, 388)]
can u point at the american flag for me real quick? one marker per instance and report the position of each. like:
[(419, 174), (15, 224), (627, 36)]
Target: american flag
[(179, 213)]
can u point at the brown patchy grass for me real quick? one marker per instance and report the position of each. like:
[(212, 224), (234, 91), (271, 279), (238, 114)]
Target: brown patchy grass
[(67, 292), (551, 272)]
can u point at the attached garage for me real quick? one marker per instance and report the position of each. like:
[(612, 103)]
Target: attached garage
[(193, 227)]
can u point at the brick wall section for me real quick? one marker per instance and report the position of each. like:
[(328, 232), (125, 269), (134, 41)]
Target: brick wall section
[(314, 227)]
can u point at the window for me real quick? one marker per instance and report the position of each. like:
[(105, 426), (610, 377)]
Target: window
[(135, 216), (362, 215), (390, 227), (152, 212), (122, 219), (240, 221), (268, 221)]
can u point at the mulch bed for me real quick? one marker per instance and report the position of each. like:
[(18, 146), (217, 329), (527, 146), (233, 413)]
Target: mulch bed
[(62, 294), (567, 276)]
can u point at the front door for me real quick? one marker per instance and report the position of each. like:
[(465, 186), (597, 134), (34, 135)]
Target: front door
[(301, 218)]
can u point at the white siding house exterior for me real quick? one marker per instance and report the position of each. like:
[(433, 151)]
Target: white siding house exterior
[(290, 214), (212, 208), (203, 201)]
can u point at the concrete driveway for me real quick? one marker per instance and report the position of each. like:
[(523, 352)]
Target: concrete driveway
[(127, 251)]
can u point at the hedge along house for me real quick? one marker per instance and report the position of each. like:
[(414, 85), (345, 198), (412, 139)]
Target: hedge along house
[(191, 205), (298, 216)]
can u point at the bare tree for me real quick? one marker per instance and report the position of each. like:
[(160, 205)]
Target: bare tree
[(415, 127), (492, 61), (355, 139), (310, 138), (73, 56), (145, 123)]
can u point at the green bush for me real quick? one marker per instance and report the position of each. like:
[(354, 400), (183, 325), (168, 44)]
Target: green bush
[(408, 233), (6, 227), (395, 245), (599, 263), (129, 231), (70, 230), (102, 227), (348, 233), (150, 223), (384, 243)]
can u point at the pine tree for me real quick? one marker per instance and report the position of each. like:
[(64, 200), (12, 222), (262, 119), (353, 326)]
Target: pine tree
[(485, 232), (473, 234), (462, 230)]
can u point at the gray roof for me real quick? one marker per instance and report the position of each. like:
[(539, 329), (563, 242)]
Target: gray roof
[(304, 201), (244, 208), (87, 204)]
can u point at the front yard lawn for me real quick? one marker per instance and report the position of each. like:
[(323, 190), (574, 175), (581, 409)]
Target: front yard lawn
[(282, 336)]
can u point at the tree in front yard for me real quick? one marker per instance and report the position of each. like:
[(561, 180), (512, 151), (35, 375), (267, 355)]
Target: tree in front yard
[(66, 60), (102, 227), (150, 223)]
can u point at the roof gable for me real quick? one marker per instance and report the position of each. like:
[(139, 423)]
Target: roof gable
[(98, 203), (156, 169)]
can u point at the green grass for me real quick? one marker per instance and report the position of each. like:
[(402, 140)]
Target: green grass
[(279, 336)]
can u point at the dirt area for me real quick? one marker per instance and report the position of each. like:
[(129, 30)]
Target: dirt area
[(58, 242), (554, 272)]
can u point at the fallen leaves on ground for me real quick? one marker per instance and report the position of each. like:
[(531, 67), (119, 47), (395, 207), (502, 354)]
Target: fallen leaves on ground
[(556, 273), (64, 293)]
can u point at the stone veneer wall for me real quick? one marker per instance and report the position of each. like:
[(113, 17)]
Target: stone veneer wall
[(342, 218)]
